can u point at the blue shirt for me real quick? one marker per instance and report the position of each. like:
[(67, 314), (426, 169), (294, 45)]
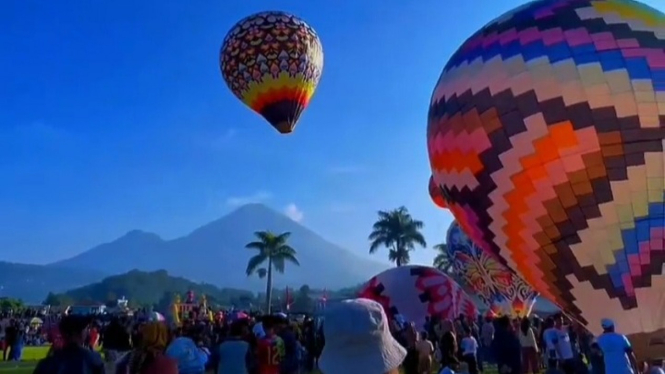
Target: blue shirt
[(232, 357), (290, 360), (191, 359), (614, 347)]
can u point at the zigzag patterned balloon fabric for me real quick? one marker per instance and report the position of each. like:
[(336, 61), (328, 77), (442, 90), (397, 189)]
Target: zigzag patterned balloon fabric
[(545, 138)]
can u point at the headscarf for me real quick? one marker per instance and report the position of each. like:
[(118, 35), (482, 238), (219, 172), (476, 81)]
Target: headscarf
[(154, 339)]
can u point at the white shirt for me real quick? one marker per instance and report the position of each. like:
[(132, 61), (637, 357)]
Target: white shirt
[(559, 340), (469, 346), (528, 339), (614, 348)]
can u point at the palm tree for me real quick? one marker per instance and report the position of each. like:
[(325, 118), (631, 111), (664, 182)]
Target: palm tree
[(399, 232), (273, 249), (443, 261)]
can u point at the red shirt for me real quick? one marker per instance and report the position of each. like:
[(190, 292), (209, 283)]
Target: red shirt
[(56, 339), (93, 337), (270, 352)]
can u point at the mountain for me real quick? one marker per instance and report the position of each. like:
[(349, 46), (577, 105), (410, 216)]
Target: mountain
[(156, 288), (215, 253), (32, 283)]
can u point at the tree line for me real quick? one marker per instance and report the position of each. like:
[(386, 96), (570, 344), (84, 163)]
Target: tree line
[(395, 230), (158, 290)]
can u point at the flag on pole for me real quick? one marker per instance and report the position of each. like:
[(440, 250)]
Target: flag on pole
[(288, 298)]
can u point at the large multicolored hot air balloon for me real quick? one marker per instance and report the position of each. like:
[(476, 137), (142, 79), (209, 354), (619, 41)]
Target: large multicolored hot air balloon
[(417, 292), (546, 136), (272, 61), (503, 291)]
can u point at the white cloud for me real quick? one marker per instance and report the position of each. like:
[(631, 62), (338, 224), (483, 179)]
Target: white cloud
[(349, 169), (293, 212), (257, 197)]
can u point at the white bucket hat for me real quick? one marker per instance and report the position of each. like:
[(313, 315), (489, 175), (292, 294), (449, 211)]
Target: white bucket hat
[(358, 339)]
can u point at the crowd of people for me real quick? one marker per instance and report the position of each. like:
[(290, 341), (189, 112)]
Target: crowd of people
[(270, 344), (518, 346), (352, 337)]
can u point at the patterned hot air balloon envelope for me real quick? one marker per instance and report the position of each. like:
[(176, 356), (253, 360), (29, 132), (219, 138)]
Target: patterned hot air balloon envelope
[(545, 136), (435, 194), (416, 292), (272, 61), (503, 291)]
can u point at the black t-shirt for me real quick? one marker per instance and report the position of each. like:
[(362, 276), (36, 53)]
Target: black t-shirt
[(71, 359), (10, 334), (116, 338)]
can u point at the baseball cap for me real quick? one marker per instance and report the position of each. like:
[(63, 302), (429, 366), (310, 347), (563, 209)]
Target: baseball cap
[(606, 323)]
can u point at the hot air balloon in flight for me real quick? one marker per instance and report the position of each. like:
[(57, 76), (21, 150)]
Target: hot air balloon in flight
[(416, 292), (272, 61), (545, 136), (503, 291)]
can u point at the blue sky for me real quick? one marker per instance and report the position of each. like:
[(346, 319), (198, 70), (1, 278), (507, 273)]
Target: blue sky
[(114, 116)]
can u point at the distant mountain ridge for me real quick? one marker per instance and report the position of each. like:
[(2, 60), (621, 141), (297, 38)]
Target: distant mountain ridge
[(33, 282), (215, 253)]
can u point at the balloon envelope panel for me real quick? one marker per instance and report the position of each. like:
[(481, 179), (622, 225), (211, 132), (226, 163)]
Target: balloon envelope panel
[(435, 194), (417, 292), (545, 138), (272, 61), (503, 291)]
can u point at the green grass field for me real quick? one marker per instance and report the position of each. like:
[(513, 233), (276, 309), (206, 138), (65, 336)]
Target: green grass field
[(30, 357), (33, 354)]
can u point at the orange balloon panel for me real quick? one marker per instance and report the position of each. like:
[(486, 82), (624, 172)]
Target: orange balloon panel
[(545, 137)]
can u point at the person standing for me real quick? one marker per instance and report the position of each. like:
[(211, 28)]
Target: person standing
[(233, 353), (270, 349), (116, 341), (188, 354), (469, 347), (486, 337), (529, 347), (425, 350), (18, 344), (149, 357), (289, 364), (448, 344), (617, 352), (506, 347), (10, 339), (73, 357), (560, 340), (410, 364)]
